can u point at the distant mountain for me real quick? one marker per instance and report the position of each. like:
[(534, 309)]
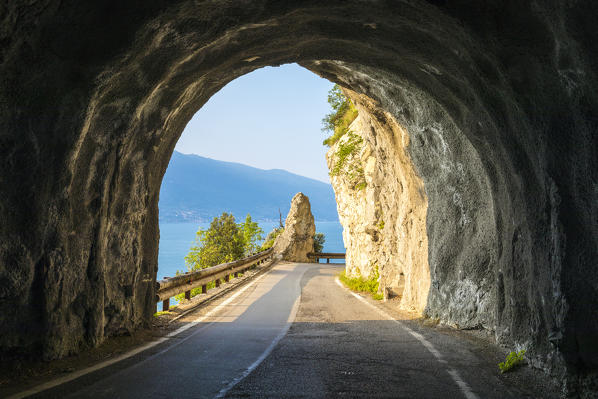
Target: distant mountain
[(198, 189)]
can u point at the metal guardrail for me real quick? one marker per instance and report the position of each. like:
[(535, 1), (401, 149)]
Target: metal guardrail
[(326, 255), (171, 286)]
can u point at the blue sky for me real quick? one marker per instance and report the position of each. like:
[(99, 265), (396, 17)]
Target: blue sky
[(269, 119)]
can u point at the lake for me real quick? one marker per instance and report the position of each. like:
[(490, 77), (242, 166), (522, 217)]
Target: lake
[(176, 239)]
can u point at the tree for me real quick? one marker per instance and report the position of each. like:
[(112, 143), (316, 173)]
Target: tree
[(222, 242), (319, 240), (252, 235)]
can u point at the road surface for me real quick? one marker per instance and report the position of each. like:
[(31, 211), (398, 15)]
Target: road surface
[(296, 332)]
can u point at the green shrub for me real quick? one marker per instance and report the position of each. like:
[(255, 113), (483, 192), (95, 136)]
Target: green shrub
[(360, 284), (513, 360)]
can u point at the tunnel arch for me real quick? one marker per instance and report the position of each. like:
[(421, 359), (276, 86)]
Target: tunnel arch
[(97, 97)]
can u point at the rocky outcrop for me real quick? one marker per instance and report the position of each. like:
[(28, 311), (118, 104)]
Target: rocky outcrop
[(498, 100), (297, 239)]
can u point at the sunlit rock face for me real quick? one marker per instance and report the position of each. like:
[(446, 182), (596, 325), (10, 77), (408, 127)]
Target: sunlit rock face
[(382, 206), (297, 239), (498, 101)]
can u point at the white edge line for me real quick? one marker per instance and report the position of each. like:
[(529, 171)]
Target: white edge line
[(463, 386), (76, 374)]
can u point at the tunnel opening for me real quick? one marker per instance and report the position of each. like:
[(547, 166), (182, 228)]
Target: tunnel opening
[(382, 216), (489, 118), (248, 151), (382, 211)]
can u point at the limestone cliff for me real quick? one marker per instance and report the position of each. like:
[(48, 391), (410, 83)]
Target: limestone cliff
[(382, 206), (387, 221)]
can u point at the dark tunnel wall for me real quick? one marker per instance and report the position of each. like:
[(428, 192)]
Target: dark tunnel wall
[(499, 99)]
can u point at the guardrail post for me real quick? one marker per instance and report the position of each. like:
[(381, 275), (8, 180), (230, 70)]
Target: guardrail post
[(166, 305), (188, 295), (227, 278), (217, 282), (236, 274), (204, 289), (327, 260)]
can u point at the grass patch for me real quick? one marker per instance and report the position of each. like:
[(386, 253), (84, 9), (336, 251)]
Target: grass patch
[(513, 360), (360, 284), (162, 313)]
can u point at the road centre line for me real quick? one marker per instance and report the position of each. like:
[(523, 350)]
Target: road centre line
[(272, 345)]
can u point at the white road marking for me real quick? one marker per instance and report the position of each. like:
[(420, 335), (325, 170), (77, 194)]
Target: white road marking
[(76, 374), (462, 384), (465, 389), (272, 345)]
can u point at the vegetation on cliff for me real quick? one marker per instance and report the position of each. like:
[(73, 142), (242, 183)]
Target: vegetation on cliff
[(347, 161), (338, 120)]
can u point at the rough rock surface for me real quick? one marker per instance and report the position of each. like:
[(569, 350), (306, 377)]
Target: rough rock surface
[(383, 208), (498, 98), (297, 239)]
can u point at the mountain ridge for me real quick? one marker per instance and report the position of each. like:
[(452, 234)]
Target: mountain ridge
[(197, 189)]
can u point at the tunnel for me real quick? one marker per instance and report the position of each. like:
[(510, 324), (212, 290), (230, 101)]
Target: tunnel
[(482, 115)]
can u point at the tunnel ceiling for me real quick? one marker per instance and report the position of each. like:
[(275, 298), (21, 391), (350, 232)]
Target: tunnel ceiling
[(498, 99)]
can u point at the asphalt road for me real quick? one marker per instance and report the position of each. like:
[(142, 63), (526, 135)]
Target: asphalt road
[(295, 332)]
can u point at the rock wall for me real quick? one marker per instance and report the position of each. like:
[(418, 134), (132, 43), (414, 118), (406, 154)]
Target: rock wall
[(382, 206), (498, 99), (297, 239), (387, 222)]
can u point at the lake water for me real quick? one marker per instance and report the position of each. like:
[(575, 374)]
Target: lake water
[(176, 239)]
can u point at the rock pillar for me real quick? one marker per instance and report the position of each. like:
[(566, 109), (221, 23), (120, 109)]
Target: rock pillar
[(297, 239)]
